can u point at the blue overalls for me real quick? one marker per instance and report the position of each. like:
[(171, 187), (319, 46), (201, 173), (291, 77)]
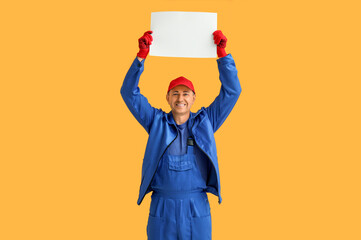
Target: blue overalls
[(179, 208)]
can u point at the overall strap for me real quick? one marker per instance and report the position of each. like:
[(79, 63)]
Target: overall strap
[(190, 145)]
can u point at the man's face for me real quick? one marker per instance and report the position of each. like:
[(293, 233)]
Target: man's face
[(181, 99)]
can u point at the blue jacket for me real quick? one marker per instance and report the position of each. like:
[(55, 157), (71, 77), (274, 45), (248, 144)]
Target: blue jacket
[(161, 125)]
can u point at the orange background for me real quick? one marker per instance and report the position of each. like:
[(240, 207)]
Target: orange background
[(71, 152)]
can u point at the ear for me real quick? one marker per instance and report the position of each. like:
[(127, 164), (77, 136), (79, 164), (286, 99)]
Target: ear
[(167, 97)]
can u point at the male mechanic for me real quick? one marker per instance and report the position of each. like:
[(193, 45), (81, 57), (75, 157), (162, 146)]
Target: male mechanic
[(180, 163)]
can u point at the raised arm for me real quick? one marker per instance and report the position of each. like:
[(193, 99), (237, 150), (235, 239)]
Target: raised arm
[(135, 101), (221, 107)]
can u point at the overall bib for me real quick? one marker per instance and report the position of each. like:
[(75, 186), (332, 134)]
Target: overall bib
[(179, 209)]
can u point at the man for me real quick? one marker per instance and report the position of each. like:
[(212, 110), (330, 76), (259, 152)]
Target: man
[(180, 163)]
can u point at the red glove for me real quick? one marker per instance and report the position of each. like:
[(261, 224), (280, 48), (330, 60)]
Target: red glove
[(144, 42), (221, 42)]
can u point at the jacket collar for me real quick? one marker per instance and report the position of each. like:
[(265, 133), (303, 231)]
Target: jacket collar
[(170, 119)]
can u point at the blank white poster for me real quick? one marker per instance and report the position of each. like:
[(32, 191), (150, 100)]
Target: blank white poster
[(183, 34)]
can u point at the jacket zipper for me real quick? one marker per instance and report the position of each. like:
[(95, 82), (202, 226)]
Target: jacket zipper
[(214, 167), (160, 159)]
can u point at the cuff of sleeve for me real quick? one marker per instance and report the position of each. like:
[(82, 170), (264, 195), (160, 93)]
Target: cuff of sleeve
[(137, 63), (226, 59)]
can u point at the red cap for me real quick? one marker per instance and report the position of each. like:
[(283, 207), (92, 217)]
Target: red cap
[(181, 81)]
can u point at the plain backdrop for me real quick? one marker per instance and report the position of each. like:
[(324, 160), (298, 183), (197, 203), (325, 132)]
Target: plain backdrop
[(71, 152)]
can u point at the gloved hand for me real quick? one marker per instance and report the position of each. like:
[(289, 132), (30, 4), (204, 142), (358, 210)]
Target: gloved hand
[(144, 42), (221, 42)]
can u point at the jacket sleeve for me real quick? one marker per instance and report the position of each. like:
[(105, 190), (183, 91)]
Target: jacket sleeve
[(221, 107), (135, 101)]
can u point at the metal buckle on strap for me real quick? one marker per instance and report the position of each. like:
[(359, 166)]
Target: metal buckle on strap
[(190, 142)]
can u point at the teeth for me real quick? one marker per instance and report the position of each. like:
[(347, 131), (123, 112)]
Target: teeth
[(180, 105)]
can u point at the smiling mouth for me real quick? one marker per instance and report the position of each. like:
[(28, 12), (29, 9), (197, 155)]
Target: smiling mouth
[(180, 105)]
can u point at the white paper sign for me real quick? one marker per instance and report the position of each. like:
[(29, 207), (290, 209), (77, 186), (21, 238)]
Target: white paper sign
[(183, 34)]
